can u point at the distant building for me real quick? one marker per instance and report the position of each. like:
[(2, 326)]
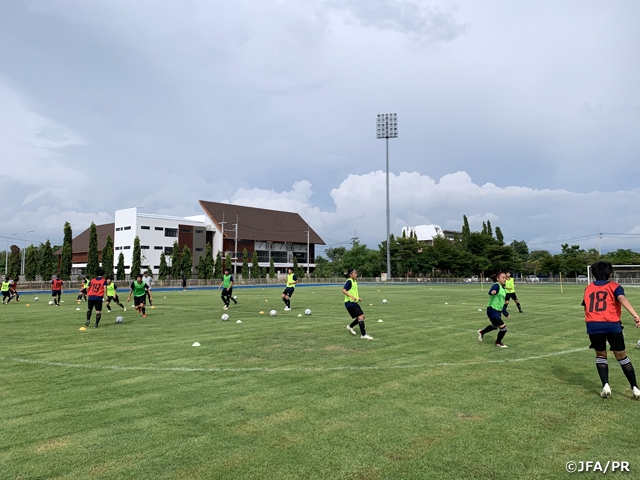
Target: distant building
[(426, 233), (81, 247), (273, 234)]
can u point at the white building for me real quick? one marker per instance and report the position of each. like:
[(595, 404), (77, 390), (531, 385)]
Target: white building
[(157, 234), (426, 233)]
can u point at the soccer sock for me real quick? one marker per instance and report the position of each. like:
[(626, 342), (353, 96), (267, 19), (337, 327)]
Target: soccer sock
[(361, 325), (288, 302), (108, 307), (519, 307), (88, 315), (284, 299), (603, 369), (501, 335), (487, 329), (144, 310), (628, 370), (98, 315), (354, 323)]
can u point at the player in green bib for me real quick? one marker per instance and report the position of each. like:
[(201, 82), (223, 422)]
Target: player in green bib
[(227, 289), (352, 303), (112, 295), (292, 279), (139, 290), (6, 294), (495, 309), (510, 287)]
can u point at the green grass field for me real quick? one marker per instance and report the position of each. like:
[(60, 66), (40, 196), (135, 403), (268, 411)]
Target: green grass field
[(291, 397)]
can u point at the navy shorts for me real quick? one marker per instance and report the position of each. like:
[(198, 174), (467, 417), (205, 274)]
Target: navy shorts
[(55, 293), (510, 296), (288, 291), (227, 292), (599, 341), (97, 304), (355, 311)]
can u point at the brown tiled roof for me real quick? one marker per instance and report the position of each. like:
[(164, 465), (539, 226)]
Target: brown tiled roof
[(81, 242), (261, 224)]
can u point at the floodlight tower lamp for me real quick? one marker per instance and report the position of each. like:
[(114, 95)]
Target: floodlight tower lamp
[(387, 127)]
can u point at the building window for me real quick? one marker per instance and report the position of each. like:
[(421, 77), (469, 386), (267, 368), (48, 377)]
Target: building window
[(127, 247), (160, 228), (279, 257), (170, 232), (168, 250), (118, 248), (127, 266), (157, 248), (118, 229), (185, 230), (157, 267), (199, 231), (126, 228), (301, 256), (263, 256), (144, 247), (198, 249), (143, 227)]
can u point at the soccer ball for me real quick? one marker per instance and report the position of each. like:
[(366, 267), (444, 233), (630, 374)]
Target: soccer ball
[(235, 297), (225, 317), (36, 299), (273, 313), (119, 319), (50, 302), (307, 312), (638, 343), (384, 300)]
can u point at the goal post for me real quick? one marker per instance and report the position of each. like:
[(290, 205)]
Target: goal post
[(622, 274)]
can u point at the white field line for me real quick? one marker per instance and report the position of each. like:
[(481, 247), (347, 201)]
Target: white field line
[(289, 369)]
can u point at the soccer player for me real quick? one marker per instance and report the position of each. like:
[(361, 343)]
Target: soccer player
[(112, 295), (227, 289), (95, 292), (13, 290), (6, 294), (289, 289), (510, 288), (56, 290), (351, 299), (602, 300), (82, 294), (139, 290), (148, 279), (495, 309)]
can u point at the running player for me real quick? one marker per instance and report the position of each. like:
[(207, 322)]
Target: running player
[(495, 309), (510, 288), (13, 290), (139, 290), (602, 301), (112, 295), (227, 289), (289, 289), (82, 294), (351, 300), (6, 294), (95, 292), (56, 290), (148, 279)]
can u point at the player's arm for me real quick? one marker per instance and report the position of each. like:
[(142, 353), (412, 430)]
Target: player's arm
[(130, 292), (627, 306)]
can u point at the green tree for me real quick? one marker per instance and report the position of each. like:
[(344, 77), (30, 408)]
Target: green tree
[(335, 257), (245, 264), (323, 268), (136, 259), (31, 262), (208, 262), (202, 268), (163, 270), (49, 263), (176, 261), (92, 257), (255, 267), (120, 270), (15, 261), (66, 260), (217, 267), (499, 236), (296, 268), (107, 257), (187, 262), (272, 268), (228, 262)]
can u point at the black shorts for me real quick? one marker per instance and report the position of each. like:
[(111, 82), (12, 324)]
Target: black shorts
[(227, 292), (97, 304), (139, 300), (599, 341), (510, 296), (109, 299), (55, 293), (288, 291), (355, 311), (496, 321), (6, 294)]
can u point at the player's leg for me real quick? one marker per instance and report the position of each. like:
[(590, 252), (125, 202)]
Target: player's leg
[(117, 300), (231, 296), (90, 306), (616, 341), (148, 294), (98, 312), (599, 344), (109, 304), (501, 333)]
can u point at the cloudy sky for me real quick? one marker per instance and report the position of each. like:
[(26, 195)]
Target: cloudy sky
[(526, 114)]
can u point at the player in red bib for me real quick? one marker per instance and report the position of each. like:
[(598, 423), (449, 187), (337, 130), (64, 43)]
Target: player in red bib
[(95, 292), (56, 290), (602, 303)]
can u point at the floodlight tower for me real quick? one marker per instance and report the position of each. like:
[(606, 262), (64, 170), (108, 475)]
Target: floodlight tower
[(387, 127)]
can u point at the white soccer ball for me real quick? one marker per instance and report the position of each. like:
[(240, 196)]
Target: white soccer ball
[(50, 302), (36, 299), (307, 312), (235, 297), (119, 319), (225, 317), (273, 313), (384, 300), (638, 343)]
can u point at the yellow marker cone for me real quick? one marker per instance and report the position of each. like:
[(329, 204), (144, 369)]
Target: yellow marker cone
[(152, 306), (371, 304), (27, 305), (266, 300), (82, 328), (261, 312)]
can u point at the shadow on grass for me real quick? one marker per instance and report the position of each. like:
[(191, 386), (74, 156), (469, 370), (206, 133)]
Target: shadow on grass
[(579, 379)]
